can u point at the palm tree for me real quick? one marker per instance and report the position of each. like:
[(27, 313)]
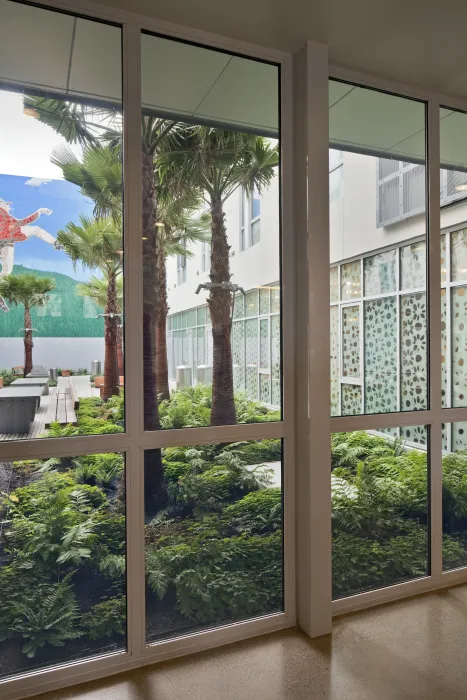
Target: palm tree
[(96, 288), (29, 290), (181, 226), (217, 162), (99, 175), (97, 244)]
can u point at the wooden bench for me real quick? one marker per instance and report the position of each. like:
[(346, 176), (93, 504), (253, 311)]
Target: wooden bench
[(62, 404)]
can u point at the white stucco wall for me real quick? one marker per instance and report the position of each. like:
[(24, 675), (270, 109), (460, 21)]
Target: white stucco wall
[(256, 266), (67, 353), (353, 229)]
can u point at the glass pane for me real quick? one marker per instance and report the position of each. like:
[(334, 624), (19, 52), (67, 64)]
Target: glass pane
[(264, 301), (377, 252), (444, 352), (275, 299), (350, 280), (239, 306), (380, 342), (201, 317), (454, 495), (251, 358), (459, 256), (334, 283), (251, 303), (351, 341), (413, 352), (265, 354), (459, 345), (335, 361), (276, 359), (238, 352), (207, 156), (443, 259), (215, 556), (351, 399), (62, 561), (379, 511), (61, 243), (380, 273), (413, 266), (265, 387)]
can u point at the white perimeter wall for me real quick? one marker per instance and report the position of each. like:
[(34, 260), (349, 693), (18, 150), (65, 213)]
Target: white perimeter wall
[(67, 353)]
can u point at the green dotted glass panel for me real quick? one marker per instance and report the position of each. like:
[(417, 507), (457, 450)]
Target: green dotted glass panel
[(413, 266), (413, 352), (444, 352), (238, 354), (351, 399), (459, 256), (275, 298), (380, 273), (265, 388), (335, 372), (263, 301), (380, 338), (334, 283), (276, 392), (201, 316), (415, 433), (251, 303), (351, 285), (351, 341), (264, 343), (459, 345), (239, 306), (251, 350), (443, 259), (459, 437)]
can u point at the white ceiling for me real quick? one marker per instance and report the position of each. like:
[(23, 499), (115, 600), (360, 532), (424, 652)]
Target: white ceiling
[(415, 41)]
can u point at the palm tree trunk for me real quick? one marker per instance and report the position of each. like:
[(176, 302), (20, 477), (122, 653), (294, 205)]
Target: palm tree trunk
[(220, 306), (162, 369), (111, 378), (120, 357), (28, 344), (155, 488)]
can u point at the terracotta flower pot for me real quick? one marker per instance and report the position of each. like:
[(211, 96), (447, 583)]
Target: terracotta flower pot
[(1, 382), (98, 382), (65, 372)]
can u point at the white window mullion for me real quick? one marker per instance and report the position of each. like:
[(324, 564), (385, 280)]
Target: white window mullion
[(434, 305)]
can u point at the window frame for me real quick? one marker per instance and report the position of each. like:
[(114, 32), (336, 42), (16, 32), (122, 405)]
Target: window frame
[(247, 220), (134, 441)]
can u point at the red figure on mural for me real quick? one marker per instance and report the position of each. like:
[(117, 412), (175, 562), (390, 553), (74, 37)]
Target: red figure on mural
[(14, 231)]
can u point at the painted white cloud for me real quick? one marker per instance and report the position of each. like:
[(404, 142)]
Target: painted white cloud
[(37, 181)]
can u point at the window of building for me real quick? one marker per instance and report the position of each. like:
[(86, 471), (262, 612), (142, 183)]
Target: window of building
[(250, 218), (181, 267), (205, 256)]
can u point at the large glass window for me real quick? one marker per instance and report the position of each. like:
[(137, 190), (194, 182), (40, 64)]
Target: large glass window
[(216, 555), (61, 243), (221, 175), (62, 560), (380, 521), (378, 254)]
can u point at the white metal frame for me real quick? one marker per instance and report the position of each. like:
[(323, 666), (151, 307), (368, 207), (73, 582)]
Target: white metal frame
[(305, 333), (134, 441), (435, 416)]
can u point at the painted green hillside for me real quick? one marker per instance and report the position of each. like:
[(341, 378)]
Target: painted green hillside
[(66, 315)]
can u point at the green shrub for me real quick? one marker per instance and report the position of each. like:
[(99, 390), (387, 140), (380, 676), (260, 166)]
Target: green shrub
[(220, 579), (110, 531), (97, 426), (46, 616), (98, 470), (8, 376), (257, 512), (255, 452), (106, 619)]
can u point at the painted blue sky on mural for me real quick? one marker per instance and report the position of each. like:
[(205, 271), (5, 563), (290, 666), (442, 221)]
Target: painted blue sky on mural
[(66, 202)]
